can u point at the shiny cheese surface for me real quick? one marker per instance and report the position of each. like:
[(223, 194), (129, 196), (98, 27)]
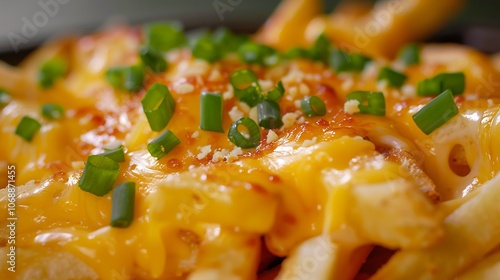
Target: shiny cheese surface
[(202, 210)]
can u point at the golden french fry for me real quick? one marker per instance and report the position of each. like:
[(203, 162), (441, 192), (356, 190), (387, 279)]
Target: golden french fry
[(320, 258), (285, 28), (487, 269), (471, 232)]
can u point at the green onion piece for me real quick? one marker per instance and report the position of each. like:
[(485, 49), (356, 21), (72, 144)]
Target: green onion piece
[(99, 175), (341, 61), (237, 138), (276, 93), (452, 81), (320, 49), (153, 59), (441, 82), (410, 54), (371, 103), (436, 113), (297, 52), (254, 53), (204, 48), (27, 128), (5, 98), (50, 71), (393, 78), (162, 145), (52, 111), (129, 78), (269, 114), (227, 41), (117, 154), (159, 106), (164, 36), (211, 108), (246, 86), (313, 106), (122, 205)]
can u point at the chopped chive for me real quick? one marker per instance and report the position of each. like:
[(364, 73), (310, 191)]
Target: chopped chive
[(50, 71), (211, 111), (237, 138), (371, 103), (27, 128), (254, 53), (227, 41), (441, 82), (162, 145), (297, 52), (117, 154), (393, 78), (5, 98), (341, 61), (122, 205), (52, 111), (159, 106), (164, 36), (313, 106), (410, 54), (320, 49), (153, 59), (204, 48), (269, 114), (99, 175), (246, 86), (436, 113), (129, 78), (276, 93)]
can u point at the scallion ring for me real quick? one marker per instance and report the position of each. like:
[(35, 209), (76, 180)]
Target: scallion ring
[(211, 107), (159, 106), (436, 113), (99, 175), (269, 114), (162, 145), (122, 205), (237, 138), (371, 103), (313, 106)]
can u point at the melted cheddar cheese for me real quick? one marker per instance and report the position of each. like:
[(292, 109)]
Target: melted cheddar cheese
[(204, 210)]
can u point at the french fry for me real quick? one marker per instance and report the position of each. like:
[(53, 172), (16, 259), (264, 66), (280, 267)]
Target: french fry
[(320, 258), (471, 232), (488, 268)]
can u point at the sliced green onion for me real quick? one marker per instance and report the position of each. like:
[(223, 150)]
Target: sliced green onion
[(117, 154), (393, 78), (341, 61), (122, 207), (99, 175), (5, 98), (371, 103), (276, 93), (269, 114), (436, 113), (313, 106), (153, 59), (129, 78), (410, 54), (164, 36), (162, 145), (227, 41), (320, 49), (211, 108), (159, 106), (441, 82), (50, 71), (204, 48), (27, 128), (246, 86), (254, 53), (239, 139), (52, 111), (297, 52)]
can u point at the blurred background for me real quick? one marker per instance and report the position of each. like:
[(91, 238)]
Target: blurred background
[(27, 24)]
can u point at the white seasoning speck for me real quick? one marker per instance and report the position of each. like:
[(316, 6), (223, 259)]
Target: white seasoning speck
[(297, 104), (266, 84), (195, 134), (204, 151), (408, 90), (271, 137), (219, 155), (304, 89), (347, 84), (292, 91), (215, 75), (351, 106), (308, 143), (235, 114), (301, 120), (289, 119), (244, 107), (254, 115), (233, 155), (184, 88)]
